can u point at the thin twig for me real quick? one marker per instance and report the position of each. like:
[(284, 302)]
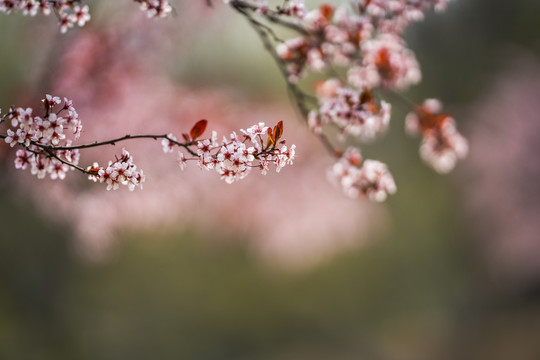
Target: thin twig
[(269, 15), (114, 141), (298, 95), (52, 154)]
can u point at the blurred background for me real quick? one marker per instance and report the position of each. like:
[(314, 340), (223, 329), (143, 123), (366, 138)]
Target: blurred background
[(277, 267)]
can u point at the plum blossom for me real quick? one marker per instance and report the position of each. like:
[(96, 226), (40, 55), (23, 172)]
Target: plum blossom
[(36, 133), (80, 15), (23, 159), (74, 12), (69, 13), (362, 178), (294, 8), (168, 146), (386, 62), (122, 171), (396, 15), (442, 145), (234, 157), (49, 150), (354, 113), (155, 8)]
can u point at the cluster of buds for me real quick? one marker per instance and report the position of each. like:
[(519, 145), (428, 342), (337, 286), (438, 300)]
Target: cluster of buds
[(442, 145), (362, 178), (38, 135), (69, 12), (122, 171), (235, 156)]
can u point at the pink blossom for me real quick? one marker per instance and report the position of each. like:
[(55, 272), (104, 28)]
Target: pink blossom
[(354, 113), (362, 178), (442, 145), (386, 62), (168, 146), (23, 159)]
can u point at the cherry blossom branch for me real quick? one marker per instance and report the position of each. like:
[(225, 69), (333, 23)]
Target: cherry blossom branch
[(367, 45), (364, 41), (272, 16), (299, 96), (75, 12), (47, 147), (120, 139)]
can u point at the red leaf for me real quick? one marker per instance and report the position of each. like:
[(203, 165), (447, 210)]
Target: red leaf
[(278, 131), (326, 10), (198, 129), (270, 141)]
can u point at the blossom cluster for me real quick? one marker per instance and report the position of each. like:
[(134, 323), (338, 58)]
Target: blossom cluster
[(155, 8), (359, 47), (374, 55), (69, 12), (38, 135), (396, 15), (47, 149), (442, 145), (235, 156), (362, 178), (354, 113), (122, 171), (47, 145), (75, 12)]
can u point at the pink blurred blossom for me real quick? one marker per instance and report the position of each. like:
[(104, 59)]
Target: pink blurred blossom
[(504, 173)]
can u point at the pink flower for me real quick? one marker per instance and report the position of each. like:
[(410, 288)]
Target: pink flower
[(81, 15), (168, 146), (354, 113), (23, 159), (370, 178), (442, 145)]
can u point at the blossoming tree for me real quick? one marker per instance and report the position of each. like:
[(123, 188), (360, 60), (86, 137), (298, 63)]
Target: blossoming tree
[(358, 48)]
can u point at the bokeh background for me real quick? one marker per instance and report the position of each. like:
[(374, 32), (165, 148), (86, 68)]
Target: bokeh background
[(277, 267)]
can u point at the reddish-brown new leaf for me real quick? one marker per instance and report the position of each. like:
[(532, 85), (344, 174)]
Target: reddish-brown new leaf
[(278, 131), (270, 140), (198, 129)]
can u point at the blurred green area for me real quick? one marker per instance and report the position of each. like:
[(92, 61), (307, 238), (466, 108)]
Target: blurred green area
[(421, 292)]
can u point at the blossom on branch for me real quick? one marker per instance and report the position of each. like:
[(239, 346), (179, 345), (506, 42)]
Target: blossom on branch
[(122, 171), (362, 178), (442, 145), (396, 15), (48, 150), (69, 12), (39, 135), (353, 113), (385, 62), (234, 157), (75, 12), (359, 48), (155, 8)]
